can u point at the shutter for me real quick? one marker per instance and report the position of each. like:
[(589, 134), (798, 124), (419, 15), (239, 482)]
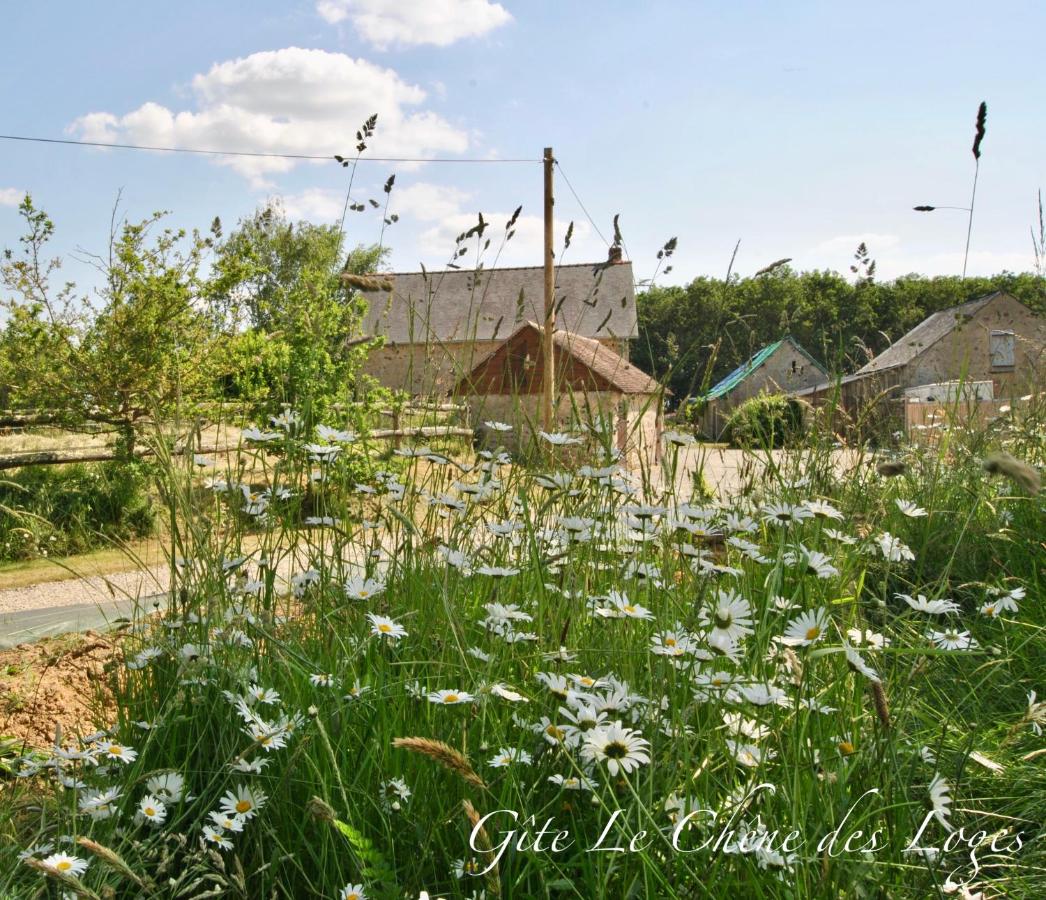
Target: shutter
[(1002, 349)]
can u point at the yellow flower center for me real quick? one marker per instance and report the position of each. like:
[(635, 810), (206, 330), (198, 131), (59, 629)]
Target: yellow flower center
[(670, 642), (384, 629), (451, 698), (630, 609), (846, 748), (362, 593), (63, 865), (554, 732), (243, 806), (116, 750), (812, 634), (149, 811)]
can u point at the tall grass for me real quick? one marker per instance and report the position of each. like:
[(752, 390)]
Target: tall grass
[(376, 784)]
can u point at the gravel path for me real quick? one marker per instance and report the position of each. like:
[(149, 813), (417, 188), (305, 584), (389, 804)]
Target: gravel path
[(93, 589)]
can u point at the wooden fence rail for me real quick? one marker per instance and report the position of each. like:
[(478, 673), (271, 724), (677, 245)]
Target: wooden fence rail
[(64, 457)]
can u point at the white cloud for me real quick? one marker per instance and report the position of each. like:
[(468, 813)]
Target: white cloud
[(431, 216), (320, 205), (427, 202), (524, 249), (408, 22), (11, 196), (286, 101)]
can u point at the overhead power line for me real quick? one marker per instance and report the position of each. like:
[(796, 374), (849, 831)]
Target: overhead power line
[(579, 203), (258, 153)]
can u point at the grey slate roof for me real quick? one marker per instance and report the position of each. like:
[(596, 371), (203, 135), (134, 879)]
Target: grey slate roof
[(925, 334), (594, 300)]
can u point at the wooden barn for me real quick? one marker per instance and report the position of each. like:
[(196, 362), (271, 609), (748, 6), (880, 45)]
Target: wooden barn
[(596, 387), (782, 367), (438, 325)]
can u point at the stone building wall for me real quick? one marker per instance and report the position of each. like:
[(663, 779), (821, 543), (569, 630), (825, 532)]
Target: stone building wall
[(965, 351)]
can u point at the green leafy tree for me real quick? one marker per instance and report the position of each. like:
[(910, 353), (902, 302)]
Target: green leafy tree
[(298, 341), (141, 348)]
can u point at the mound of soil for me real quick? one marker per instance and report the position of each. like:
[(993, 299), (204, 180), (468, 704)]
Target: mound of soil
[(56, 682)]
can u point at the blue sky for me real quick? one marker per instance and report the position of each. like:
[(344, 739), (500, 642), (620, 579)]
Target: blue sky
[(797, 128)]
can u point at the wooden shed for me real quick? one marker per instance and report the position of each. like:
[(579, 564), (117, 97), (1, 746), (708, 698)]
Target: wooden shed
[(595, 387)]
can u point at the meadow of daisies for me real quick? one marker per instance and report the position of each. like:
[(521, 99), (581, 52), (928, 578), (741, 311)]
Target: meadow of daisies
[(468, 677)]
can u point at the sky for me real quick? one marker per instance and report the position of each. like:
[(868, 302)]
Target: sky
[(798, 129)]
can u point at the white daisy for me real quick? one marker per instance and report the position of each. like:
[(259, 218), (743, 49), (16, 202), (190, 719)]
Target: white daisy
[(622, 749), (508, 756), (911, 510), (940, 800), (894, 549), (216, 837), (244, 802), (931, 607), (152, 809), (729, 616), (859, 665), (450, 698), (785, 513), (381, 626), (363, 588), (112, 752), (953, 639), (65, 864), (806, 628), (168, 786), (573, 782)]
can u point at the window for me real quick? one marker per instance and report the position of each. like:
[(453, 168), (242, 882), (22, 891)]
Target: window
[(1001, 350)]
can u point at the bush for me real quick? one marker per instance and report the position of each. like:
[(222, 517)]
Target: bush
[(769, 420), (59, 511)]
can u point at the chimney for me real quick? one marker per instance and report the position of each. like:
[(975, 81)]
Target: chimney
[(614, 255)]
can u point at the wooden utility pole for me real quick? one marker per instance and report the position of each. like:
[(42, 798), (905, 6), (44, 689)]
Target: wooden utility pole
[(549, 381)]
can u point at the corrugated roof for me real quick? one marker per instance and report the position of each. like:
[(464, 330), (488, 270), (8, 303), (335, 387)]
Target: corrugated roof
[(928, 332), (593, 300), (731, 381), (611, 367)]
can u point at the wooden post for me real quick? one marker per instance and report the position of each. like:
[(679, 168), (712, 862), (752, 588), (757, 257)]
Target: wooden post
[(549, 381)]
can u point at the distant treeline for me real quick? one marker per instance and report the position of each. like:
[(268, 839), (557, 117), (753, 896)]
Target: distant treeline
[(697, 333)]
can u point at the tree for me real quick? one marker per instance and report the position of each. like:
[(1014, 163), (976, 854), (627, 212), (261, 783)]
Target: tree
[(298, 325), (141, 349)]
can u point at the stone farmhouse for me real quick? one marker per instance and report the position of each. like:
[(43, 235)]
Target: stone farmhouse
[(994, 339), (596, 390), (439, 325)]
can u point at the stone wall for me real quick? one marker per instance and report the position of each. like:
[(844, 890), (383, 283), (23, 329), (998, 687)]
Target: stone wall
[(432, 370)]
